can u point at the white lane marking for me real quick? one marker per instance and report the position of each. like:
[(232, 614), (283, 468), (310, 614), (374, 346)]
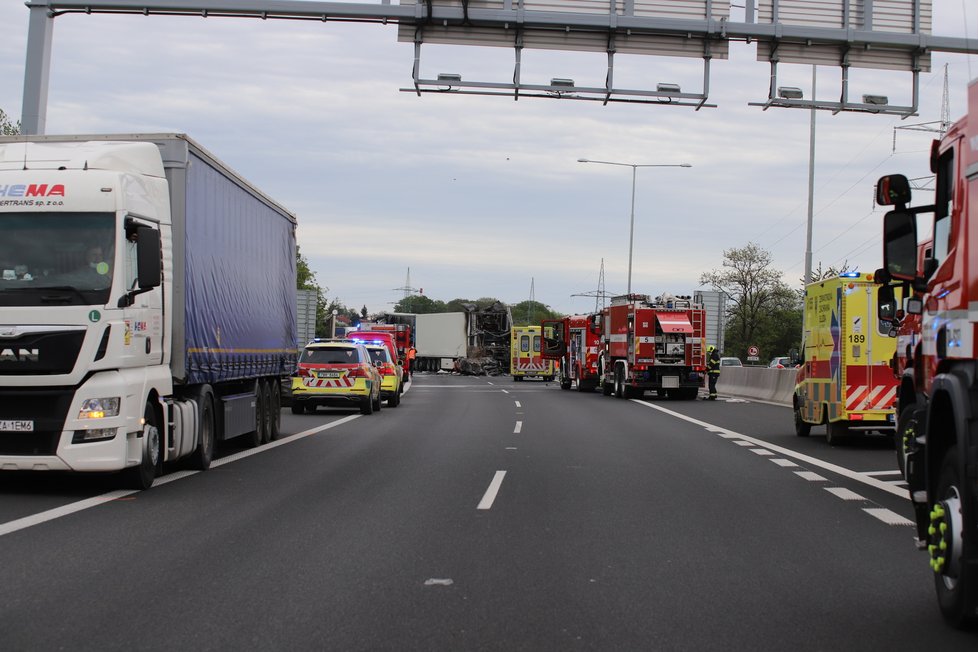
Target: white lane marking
[(882, 473), (511, 448), (519, 426), (783, 462), (887, 516), (843, 493), (490, 495), (787, 452), (763, 452), (434, 581), (491, 383), (810, 476), (744, 443), (505, 392), (518, 404), (95, 501)]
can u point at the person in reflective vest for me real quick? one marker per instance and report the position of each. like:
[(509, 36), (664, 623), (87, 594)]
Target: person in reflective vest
[(713, 370)]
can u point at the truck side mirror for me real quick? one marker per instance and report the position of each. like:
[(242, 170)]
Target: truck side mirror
[(893, 190), (886, 306), (900, 245)]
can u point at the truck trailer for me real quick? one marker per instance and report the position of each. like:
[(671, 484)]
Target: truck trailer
[(147, 305)]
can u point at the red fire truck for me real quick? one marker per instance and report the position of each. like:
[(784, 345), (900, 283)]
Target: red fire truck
[(939, 391), (653, 345), (401, 333), (576, 343)]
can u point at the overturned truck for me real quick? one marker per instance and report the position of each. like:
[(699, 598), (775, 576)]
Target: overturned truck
[(474, 342)]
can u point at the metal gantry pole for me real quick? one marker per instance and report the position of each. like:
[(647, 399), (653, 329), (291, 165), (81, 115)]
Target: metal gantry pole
[(811, 189)]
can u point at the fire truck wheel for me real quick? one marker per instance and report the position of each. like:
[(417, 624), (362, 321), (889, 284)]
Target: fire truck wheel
[(619, 382), (565, 383), (802, 427), (141, 476), (835, 432), (905, 437), (954, 580)]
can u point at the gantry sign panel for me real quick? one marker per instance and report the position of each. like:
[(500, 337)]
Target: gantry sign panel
[(647, 27), (878, 16)]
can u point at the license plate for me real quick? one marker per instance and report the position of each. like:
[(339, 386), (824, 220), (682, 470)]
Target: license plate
[(328, 374), (670, 381), (16, 426)]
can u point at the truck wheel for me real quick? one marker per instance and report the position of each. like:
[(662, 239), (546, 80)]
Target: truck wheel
[(953, 578), (141, 476), (906, 437), (802, 427), (366, 405), (266, 413), (619, 382), (201, 458), (275, 409), (835, 432), (255, 438), (565, 383)]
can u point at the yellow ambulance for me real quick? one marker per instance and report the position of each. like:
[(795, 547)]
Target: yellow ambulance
[(524, 352), (845, 381)]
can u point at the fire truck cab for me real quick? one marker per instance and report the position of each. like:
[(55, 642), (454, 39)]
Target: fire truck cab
[(653, 344), (576, 343)]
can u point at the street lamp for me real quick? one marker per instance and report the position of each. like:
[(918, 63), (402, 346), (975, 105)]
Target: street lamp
[(631, 225)]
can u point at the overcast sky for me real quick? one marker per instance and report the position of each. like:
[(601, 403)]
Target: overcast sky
[(479, 195)]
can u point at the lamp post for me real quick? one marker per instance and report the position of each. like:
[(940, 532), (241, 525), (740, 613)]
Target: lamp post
[(631, 224)]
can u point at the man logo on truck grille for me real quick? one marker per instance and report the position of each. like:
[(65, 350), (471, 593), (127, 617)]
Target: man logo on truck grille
[(20, 355)]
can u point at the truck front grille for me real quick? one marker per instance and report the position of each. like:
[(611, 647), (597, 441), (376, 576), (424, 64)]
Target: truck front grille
[(47, 408), (42, 354)]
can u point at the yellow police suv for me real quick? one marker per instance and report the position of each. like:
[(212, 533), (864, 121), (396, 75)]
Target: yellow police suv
[(336, 373)]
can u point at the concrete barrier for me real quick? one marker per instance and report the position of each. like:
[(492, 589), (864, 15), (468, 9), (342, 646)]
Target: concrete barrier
[(775, 385)]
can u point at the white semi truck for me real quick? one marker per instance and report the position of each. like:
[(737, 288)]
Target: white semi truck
[(147, 305)]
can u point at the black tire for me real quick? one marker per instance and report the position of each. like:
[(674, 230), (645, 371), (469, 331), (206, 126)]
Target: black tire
[(905, 437), (267, 414), (955, 582), (378, 403), (275, 409), (802, 427), (366, 405), (565, 382), (141, 476), (201, 458), (836, 432), (394, 400), (619, 382), (298, 408), (256, 437)]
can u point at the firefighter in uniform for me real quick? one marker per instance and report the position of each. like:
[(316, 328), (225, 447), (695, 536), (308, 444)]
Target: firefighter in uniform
[(713, 370)]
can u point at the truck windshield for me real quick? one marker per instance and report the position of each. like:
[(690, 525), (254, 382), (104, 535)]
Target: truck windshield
[(56, 258)]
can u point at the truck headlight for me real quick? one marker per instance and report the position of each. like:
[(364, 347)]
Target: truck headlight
[(99, 408)]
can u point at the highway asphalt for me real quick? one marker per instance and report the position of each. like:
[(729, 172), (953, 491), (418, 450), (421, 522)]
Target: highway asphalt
[(484, 514)]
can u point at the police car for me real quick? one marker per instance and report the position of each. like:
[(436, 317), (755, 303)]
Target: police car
[(336, 373)]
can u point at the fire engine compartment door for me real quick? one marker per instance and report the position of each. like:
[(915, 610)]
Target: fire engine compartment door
[(674, 323), (554, 347)]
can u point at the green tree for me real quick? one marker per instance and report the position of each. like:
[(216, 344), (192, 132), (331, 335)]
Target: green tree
[(305, 279), (531, 313), (763, 310), (8, 127), (419, 305)]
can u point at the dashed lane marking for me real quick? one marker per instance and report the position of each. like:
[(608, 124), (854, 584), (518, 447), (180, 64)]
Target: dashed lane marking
[(490, 496), (843, 493), (744, 443), (518, 404), (518, 428), (811, 476), (763, 452), (887, 516), (783, 462), (808, 460)]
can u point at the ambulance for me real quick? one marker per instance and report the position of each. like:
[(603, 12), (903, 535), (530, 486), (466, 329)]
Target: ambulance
[(524, 351), (845, 380)]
